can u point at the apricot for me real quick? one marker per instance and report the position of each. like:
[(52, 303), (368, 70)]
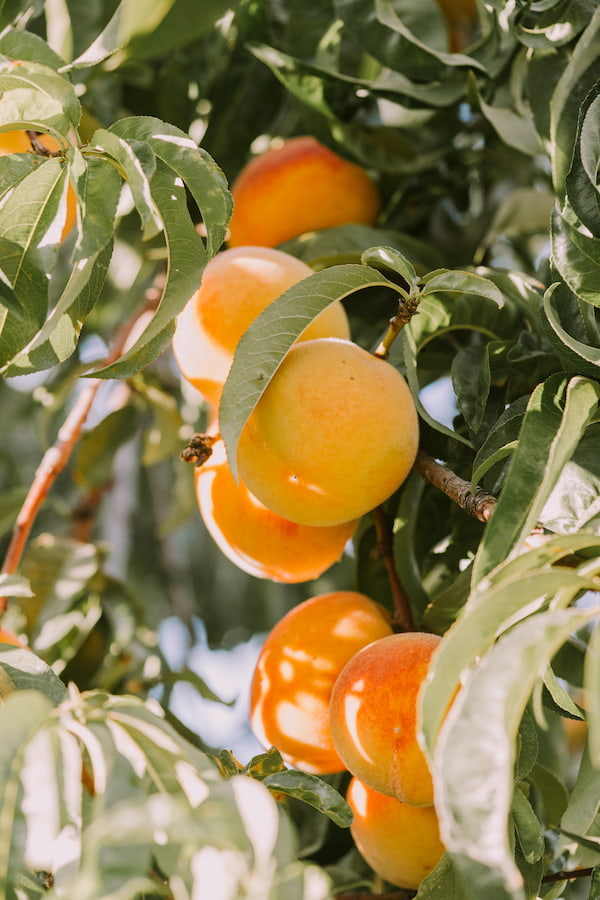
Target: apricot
[(237, 284), (334, 434), (297, 187), (18, 142), (373, 716), (256, 539), (400, 842), (296, 670)]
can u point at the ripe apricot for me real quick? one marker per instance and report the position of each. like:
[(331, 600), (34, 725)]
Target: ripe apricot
[(400, 842), (237, 284), (373, 716), (333, 435), (19, 142), (256, 539), (297, 187), (297, 667)]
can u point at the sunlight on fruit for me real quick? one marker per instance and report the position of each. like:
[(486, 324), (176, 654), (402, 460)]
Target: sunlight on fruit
[(296, 187), (296, 670)]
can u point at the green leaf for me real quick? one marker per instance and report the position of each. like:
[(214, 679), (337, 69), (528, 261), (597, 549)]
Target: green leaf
[(22, 670), (21, 715), (18, 44), (132, 18), (95, 456), (186, 259), (577, 78), (35, 96), (461, 283), (264, 345), (182, 24), (557, 415), (98, 185), (552, 791), (574, 503), (58, 338), (137, 164), (582, 179), (591, 672), (576, 255), (314, 791), (561, 312), (200, 173), (490, 609), (527, 827), (14, 586), (474, 790), (515, 129), (391, 260), (582, 813)]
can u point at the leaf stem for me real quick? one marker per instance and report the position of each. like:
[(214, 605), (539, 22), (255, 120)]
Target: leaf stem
[(476, 503), (403, 619), (408, 305)]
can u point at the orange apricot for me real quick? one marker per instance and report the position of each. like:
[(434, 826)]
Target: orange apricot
[(237, 284), (298, 187), (296, 670), (19, 142), (334, 434), (373, 716), (400, 842), (256, 539)]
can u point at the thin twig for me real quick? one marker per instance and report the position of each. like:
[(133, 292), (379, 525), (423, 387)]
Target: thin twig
[(567, 876), (403, 618), (408, 307), (57, 456), (476, 503)]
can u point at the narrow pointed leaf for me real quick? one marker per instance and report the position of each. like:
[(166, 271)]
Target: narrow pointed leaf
[(264, 345), (314, 791), (557, 415), (35, 96), (390, 259), (200, 173), (474, 790)]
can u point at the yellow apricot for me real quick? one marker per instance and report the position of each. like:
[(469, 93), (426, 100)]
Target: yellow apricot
[(296, 670), (256, 539), (400, 842), (373, 716), (237, 284), (297, 187), (334, 434), (19, 142)]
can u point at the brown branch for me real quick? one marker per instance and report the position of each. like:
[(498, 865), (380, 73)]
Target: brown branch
[(567, 876), (407, 308), (403, 619), (57, 456), (479, 503)]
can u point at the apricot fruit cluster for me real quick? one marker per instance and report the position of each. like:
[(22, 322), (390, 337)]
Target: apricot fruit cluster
[(298, 187), (336, 689)]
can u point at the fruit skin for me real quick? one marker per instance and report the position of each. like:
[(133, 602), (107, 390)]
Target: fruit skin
[(237, 284), (298, 187), (400, 842), (18, 142), (256, 539), (334, 434), (373, 716), (297, 667)]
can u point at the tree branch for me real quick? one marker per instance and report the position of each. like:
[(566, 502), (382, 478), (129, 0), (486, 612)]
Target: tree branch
[(403, 618), (56, 457), (479, 504)]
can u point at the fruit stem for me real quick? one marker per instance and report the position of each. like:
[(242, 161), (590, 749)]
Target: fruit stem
[(403, 619), (199, 448), (408, 306), (477, 503)]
